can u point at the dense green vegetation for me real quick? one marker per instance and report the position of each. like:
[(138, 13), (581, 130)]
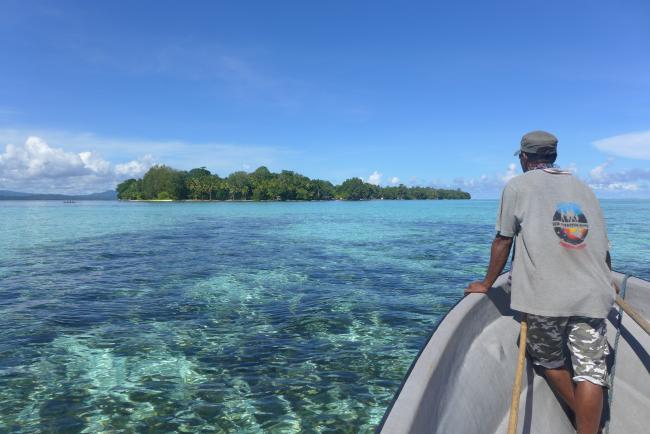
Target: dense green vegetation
[(163, 182)]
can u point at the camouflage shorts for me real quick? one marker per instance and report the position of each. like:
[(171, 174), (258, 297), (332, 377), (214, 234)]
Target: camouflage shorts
[(586, 341)]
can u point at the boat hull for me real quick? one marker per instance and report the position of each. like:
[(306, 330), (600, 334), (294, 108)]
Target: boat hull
[(461, 382)]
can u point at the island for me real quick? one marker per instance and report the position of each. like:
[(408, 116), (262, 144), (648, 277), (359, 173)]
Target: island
[(163, 183)]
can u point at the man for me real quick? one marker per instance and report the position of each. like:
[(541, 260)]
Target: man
[(561, 276)]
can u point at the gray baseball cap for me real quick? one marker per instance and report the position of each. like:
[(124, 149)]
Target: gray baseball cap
[(538, 142)]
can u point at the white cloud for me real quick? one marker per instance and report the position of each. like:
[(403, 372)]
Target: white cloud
[(94, 163), (606, 183), (136, 168), (486, 186), (623, 181), (394, 180), (374, 178), (37, 166), (221, 158), (617, 186), (630, 175), (70, 162), (510, 173), (632, 145), (598, 172), (36, 159)]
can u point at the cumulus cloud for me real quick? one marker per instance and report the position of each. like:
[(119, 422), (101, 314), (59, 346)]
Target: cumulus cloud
[(220, 157), (617, 186), (601, 178), (632, 145), (36, 159), (510, 173), (628, 175), (37, 166), (375, 178), (491, 181), (136, 168), (630, 180), (486, 185), (394, 180), (598, 172), (94, 163)]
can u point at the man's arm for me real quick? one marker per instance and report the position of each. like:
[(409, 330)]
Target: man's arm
[(498, 258)]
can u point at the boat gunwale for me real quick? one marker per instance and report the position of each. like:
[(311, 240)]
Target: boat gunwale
[(416, 359)]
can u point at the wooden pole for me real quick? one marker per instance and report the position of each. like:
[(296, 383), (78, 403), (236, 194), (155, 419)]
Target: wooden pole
[(516, 388), (642, 322)]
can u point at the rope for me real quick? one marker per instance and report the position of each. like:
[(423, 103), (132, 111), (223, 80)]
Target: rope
[(516, 388), (610, 395)]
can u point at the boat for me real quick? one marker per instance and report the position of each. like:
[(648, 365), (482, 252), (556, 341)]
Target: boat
[(461, 381)]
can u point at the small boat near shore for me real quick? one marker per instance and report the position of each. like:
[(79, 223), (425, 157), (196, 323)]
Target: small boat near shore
[(461, 381)]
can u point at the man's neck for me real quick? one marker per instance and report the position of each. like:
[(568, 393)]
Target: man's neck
[(536, 166), (548, 168)]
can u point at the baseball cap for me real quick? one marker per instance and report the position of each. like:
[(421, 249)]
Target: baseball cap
[(538, 142)]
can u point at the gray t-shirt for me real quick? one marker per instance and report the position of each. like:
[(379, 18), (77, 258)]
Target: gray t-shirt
[(561, 245)]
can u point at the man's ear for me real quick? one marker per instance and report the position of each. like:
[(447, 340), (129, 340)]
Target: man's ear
[(523, 160)]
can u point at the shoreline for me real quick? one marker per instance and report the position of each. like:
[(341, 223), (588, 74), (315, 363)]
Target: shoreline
[(290, 200)]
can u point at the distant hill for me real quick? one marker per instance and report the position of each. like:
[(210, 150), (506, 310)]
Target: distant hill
[(15, 195)]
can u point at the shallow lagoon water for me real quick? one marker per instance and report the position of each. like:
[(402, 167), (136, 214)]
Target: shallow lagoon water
[(234, 317)]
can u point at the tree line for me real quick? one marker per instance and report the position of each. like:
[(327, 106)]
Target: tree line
[(163, 182)]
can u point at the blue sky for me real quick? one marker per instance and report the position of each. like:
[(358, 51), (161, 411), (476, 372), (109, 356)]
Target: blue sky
[(425, 93)]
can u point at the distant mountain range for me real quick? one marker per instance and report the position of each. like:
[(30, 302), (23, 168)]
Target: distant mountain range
[(15, 195)]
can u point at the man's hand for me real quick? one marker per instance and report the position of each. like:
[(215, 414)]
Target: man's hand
[(477, 287), (498, 258)]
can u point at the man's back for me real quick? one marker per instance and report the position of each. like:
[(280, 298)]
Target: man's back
[(559, 267), (561, 275)]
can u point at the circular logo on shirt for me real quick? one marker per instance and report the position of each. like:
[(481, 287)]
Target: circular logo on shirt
[(570, 224)]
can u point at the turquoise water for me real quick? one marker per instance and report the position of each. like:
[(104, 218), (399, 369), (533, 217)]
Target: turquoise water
[(234, 317)]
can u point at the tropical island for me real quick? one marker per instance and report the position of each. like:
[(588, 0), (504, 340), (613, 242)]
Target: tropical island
[(165, 183)]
